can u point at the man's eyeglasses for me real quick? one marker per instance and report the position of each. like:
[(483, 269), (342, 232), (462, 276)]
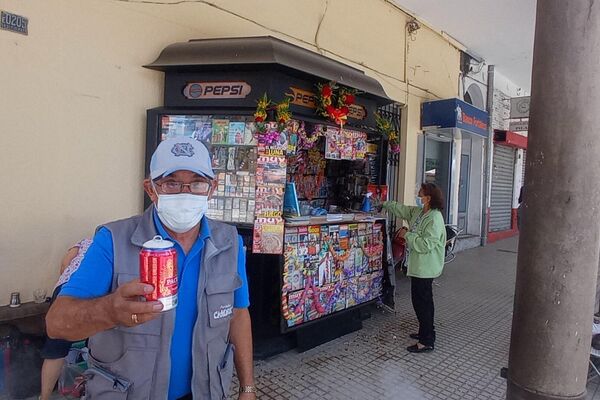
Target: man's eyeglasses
[(172, 187)]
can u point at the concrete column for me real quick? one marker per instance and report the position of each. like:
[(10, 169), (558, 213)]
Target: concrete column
[(560, 242)]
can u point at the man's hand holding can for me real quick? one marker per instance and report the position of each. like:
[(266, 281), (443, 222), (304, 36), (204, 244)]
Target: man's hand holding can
[(128, 308)]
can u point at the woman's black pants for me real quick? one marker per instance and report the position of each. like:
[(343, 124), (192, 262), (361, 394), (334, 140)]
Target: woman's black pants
[(422, 300)]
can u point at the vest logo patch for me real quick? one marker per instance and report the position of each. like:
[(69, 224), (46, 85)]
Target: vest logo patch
[(225, 311)]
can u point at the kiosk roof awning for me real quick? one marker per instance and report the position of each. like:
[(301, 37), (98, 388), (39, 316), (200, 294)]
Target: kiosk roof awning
[(198, 55)]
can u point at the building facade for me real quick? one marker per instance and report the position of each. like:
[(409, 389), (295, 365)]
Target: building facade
[(75, 95)]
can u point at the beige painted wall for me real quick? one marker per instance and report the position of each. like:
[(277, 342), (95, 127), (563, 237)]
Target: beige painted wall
[(74, 95)]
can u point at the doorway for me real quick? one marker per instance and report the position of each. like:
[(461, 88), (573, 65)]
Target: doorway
[(463, 192), (437, 165)]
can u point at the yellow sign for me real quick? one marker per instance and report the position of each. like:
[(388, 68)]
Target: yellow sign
[(306, 98), (302, 98)]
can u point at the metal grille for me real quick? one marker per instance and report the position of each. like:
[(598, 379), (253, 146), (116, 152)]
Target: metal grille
[(393, 113), (502, 188)]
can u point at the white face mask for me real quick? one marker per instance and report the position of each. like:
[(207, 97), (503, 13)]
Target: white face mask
[(181, 212)]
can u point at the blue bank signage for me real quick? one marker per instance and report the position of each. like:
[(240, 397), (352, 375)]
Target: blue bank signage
[(454, 113)]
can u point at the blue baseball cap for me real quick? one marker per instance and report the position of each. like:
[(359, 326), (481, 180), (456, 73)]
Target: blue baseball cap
[(180, 153)]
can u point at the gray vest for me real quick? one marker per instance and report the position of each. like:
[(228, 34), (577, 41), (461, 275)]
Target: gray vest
[(134, 363)]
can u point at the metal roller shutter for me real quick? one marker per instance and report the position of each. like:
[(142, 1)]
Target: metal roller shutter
[(502, 188)]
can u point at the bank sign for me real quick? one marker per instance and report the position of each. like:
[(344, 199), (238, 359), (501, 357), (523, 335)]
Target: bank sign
[(454, 113)]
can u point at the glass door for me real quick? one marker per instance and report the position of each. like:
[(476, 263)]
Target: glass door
[(437, 165), (463, 192)]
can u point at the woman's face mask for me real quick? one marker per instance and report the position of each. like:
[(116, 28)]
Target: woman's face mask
[(419, 201)]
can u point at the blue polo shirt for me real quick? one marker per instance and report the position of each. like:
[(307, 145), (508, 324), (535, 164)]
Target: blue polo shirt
[(94, 279)]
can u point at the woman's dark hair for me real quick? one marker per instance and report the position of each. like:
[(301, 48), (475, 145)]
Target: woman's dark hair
[(437, 197)]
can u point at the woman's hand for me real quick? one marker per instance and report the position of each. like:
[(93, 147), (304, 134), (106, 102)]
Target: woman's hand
[(402, 232)]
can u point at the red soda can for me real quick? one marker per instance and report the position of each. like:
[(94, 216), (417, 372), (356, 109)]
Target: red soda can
[(158, 267)]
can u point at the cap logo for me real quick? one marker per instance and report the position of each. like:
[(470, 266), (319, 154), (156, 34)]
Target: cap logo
[(183, 150)]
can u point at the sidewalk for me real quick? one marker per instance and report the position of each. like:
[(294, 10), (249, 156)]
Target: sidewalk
[(474, 301)]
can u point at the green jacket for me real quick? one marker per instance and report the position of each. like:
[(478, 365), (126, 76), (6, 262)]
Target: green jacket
[(426, 242)]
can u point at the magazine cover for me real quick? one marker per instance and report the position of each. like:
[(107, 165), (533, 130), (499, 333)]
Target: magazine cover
[(332, 144), (334, 236), (203, 131), (359, 258), (376, 284), (269, 201), (324, 233), (219, 157), (294, 269), (339, 302), (295, 308), (220, 131), (291, 235), (268, 236), (362, 229), (325, 298), (346, 146), (314, 233), (236, 133), (231, 151), (249, 133), (325, 269), (312, 306), (351, 292), (349, 267), (344, 241), (338, 271), (271, 170), (364, 289), (360, 146), (303, 234), (245, 159)]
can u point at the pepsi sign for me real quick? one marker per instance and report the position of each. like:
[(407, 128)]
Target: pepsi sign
[(216, 90)]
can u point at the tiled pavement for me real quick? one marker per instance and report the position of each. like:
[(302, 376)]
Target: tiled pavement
[(473, 316), (473, 299)]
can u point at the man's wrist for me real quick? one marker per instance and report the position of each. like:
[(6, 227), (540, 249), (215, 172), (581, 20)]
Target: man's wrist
[(106, 304), (248, 389)]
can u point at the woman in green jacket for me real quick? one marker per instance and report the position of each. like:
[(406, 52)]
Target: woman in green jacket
[(425, 242)]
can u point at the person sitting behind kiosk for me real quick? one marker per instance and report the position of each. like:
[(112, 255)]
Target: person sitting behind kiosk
[(186, 352), (425, 243), (55, 350)]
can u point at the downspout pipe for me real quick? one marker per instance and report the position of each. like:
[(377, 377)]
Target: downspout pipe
[(487, 192)]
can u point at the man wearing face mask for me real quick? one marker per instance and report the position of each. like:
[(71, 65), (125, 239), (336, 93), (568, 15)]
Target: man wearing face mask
[(137, 351)]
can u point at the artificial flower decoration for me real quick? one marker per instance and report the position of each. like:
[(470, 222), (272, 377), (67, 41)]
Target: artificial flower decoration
[(333, 102), (386, 128), (261, 109), (283, 113), (269, 133), (307, 141)]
